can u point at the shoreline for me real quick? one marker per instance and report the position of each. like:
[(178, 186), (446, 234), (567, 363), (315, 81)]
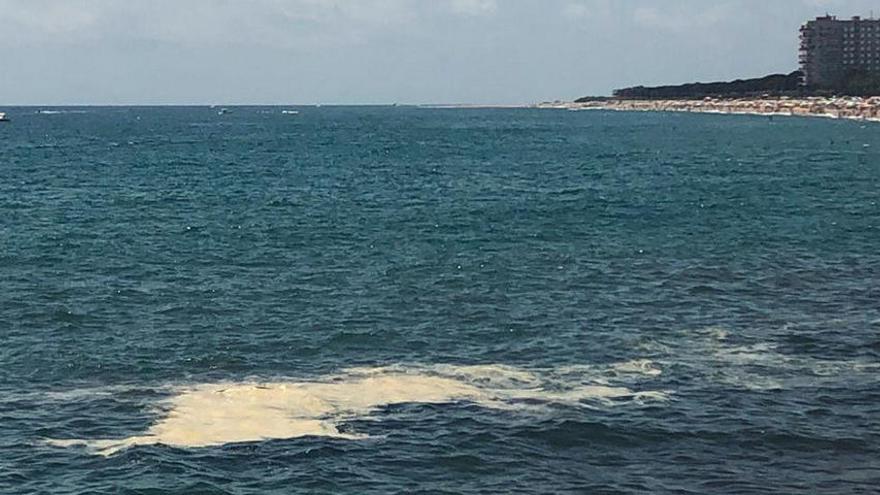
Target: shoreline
[(849, 108)]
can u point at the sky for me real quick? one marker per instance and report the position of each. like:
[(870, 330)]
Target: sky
[(119, 52)]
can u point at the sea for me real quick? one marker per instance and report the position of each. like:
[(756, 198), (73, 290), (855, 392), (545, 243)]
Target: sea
[(378, 300)]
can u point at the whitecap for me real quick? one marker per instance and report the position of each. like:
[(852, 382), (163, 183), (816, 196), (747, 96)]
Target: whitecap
[(637, 367)]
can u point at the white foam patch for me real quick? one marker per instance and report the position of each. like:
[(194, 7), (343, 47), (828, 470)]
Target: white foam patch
[(637, 367), (761, 366), (221, 413), (754, 354)]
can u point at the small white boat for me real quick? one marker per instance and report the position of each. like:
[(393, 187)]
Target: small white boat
[(223, 111), (3, 117), (290, 112)]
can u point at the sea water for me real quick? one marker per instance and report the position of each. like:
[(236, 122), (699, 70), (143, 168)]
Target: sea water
[(414, 300)]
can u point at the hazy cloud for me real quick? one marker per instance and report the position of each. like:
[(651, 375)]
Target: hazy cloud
[(680, 18), (193, 51), (474, 7)]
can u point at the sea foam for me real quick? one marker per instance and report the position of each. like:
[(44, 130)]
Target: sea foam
[(220, 413)]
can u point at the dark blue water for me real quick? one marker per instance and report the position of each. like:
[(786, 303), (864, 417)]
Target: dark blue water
[(730, 266)]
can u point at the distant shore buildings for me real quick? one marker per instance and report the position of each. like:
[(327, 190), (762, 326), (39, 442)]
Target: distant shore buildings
[(837, 58), (836, 54)]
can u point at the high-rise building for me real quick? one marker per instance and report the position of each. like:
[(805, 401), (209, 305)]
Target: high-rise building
[(834, 50)]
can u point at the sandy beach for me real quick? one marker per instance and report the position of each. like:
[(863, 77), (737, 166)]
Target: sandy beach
[(856, 108)]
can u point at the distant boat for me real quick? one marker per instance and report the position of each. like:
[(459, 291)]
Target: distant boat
[(290, 112), (223, 111), (3, 117)]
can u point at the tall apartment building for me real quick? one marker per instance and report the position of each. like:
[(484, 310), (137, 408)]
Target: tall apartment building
[(832, 50)]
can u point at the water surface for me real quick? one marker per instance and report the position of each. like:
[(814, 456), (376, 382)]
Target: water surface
[(399, 300)]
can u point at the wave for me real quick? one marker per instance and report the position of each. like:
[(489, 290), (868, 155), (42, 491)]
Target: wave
[(215, 414), (59, 112)]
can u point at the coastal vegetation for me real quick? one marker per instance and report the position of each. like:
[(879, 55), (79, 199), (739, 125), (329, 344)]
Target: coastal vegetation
[(774, 84), (861, 83), (855, 83)]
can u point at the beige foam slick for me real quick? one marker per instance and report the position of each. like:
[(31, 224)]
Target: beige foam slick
[(221, 413)]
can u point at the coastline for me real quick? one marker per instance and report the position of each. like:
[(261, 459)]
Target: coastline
[(851, 108)]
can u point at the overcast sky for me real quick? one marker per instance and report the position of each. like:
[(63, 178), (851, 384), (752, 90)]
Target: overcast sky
[(382, 51)]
